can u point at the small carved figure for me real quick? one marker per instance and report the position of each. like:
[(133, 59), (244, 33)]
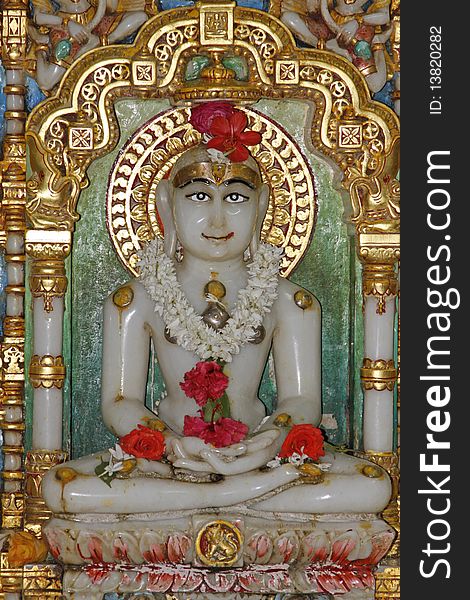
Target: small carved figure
[(62, 35), (354, 29)]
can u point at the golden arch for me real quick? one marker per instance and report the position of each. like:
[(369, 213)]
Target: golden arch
[(66, 133)]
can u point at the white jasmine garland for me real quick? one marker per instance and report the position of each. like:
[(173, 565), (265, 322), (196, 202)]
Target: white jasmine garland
[(158, 276)]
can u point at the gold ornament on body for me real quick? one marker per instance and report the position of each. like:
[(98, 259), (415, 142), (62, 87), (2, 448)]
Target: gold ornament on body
[(310, 473), (123, 297), (303, 299)]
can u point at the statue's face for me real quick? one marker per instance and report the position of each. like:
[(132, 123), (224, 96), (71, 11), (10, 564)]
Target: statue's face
[(215, 219)]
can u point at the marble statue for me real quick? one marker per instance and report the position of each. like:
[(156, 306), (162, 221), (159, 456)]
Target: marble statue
[(211, 301), (351, 28), (64, 31)]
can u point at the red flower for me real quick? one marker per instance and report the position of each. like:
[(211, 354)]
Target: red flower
[(303, 439), (203, 114), (205, 382), (221, 433), (230, 137), (144, 442)]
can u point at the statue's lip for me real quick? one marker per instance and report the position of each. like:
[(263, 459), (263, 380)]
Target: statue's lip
[(218, 237)]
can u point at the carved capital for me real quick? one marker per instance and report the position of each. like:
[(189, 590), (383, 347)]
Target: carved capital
[(378, 374), (49, 250), (14, 36), (47, 371), (381, 282)]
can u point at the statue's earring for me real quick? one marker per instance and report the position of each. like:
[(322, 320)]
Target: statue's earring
[(179, 253)]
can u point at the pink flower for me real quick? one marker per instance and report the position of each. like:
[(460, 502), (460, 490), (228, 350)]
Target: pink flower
[(205, 382), (203, 114), (221, 433)]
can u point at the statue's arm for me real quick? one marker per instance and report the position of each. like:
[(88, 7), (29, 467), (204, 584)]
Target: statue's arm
[(297, 356), (126, 346), (381, 16)]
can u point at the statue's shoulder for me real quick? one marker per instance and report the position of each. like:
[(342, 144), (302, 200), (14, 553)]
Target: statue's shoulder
[(129, 294), (292, 296)]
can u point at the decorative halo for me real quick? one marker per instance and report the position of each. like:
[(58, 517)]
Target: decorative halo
[(132, 207)]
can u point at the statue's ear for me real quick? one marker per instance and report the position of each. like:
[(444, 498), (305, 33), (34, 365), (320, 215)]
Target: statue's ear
[(263, 202), (165, 210)]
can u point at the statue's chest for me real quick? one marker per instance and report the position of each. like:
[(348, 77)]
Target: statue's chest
[(245, 369)]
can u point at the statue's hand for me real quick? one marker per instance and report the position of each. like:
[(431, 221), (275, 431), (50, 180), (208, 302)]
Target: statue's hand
[(346, 33), (78, 32), (195, 455)]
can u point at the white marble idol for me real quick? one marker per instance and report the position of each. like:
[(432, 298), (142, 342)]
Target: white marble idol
[(211, 292)]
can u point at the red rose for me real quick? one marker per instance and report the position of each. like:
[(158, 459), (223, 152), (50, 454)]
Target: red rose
[(221, 433), (230, 137), (205, 382), (303, 439), (203, 114), (144, 443)]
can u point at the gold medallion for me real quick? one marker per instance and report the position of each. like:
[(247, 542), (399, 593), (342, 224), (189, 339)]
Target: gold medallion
[(218, 544)]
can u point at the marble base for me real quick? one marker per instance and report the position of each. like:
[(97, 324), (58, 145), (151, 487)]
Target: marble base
[(302, 555)]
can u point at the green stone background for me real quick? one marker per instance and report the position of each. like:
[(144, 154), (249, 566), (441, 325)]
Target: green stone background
[(329, 269)]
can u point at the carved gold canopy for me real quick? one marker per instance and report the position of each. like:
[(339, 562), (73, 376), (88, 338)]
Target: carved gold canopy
[(249, 55)]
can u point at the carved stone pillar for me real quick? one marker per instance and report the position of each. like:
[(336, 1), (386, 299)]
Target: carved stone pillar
[(379, 374), (13, 55), (48, 284), (379, 254)]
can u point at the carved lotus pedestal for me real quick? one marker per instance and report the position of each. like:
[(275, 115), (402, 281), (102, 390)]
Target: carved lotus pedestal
[(220, 555)]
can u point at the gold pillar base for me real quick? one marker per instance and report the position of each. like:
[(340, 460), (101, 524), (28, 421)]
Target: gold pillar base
[(42, 582), (387, 584), (37, 463), (11, 580)]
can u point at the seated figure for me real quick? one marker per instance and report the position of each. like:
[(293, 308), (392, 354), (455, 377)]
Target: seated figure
[(211, 300)]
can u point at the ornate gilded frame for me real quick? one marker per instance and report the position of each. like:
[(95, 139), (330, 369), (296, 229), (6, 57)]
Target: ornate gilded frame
[(77, 124)]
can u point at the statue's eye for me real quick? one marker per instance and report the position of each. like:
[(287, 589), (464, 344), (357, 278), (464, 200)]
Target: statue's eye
[(199, 197), (236, 197)]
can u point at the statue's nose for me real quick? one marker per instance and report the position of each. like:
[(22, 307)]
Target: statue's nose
[(218, 214)]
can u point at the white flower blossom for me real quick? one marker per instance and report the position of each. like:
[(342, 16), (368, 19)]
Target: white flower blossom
[(113, 467), (118, 454), (297, 459), (217, 156), (274, 463), (158, 276)]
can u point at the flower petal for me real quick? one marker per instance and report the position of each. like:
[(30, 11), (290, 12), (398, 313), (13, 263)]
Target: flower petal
[(220, 126), (250, 138), (238, 123), (239, 154)]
